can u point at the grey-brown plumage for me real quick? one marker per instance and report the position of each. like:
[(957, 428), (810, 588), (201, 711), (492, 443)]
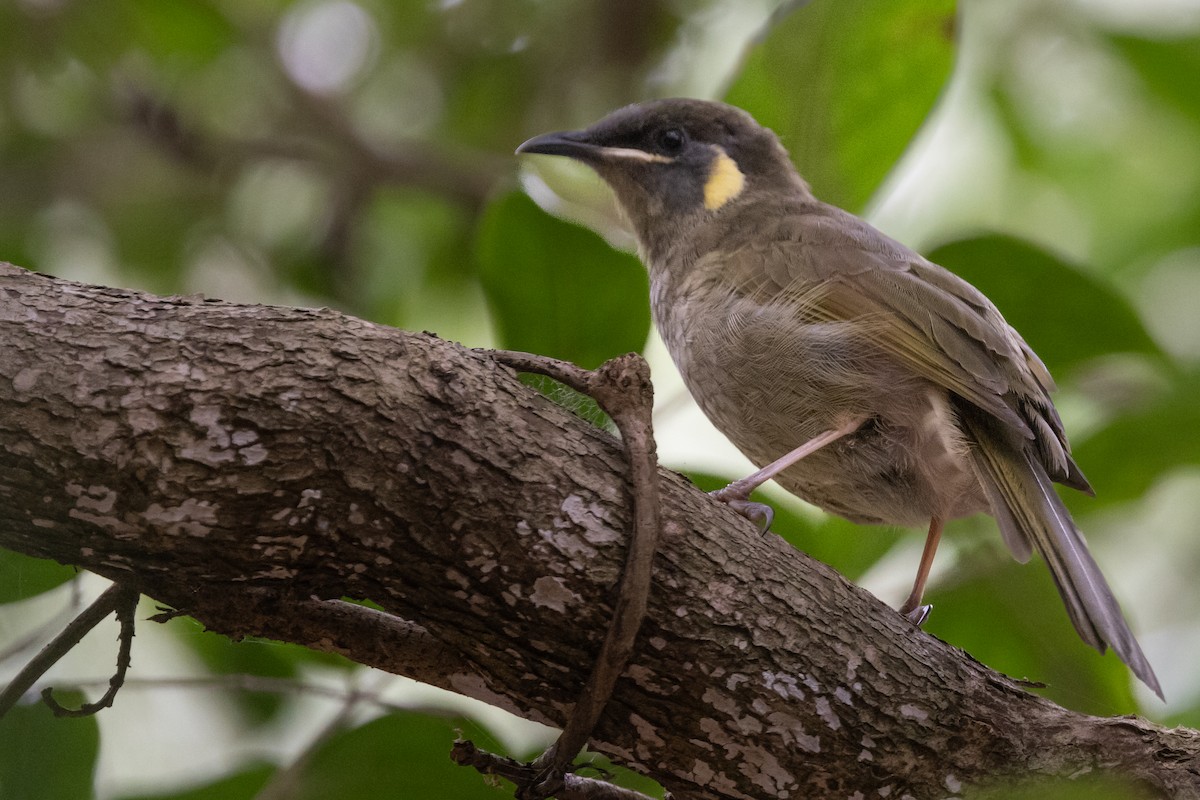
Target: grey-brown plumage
[(800, 329)]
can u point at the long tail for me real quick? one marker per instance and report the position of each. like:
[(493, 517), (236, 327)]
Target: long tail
[(1029, 511)]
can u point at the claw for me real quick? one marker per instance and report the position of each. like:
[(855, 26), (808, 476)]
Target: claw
[(918, 615), (761, 514)]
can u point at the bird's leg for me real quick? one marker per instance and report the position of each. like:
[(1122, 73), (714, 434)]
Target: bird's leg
[(737, 494), (912, 607)]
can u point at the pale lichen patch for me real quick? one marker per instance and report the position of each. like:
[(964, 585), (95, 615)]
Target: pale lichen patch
[(191, 517), (551, 592), (277, 572), (852, 665), (722, 597), (254, 454), (483, 564), (701, 772), (910, 711), (647, 735), (644, 677), (791, 729), (743, 723), (825, 712), (96, 499), (784, 685), (764, 770), (589, 517), (243, 437), (952, 783), (457, 578)]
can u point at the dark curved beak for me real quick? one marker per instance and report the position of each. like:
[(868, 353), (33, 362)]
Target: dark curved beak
[(578, 145), (573, 144)]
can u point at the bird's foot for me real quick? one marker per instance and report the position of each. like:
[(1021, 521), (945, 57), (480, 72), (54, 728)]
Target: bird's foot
[(760, 514), (917, 615)]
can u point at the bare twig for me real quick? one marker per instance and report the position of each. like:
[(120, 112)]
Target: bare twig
[(126, 607), (573, 787), (117, 599), (622, 388)]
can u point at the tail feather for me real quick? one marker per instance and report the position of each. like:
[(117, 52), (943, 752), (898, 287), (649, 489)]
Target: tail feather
[(1030, 512)]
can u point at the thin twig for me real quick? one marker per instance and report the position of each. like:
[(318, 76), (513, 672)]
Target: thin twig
[(574, 787), (126, 608), (623, 390), (115, 598)]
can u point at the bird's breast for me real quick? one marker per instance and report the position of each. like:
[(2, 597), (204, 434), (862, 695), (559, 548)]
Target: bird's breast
[(771, 378)]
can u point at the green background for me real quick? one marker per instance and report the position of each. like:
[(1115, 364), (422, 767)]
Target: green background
[(359, 155)]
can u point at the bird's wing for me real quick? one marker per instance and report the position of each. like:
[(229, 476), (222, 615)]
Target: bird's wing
[(929, 319)]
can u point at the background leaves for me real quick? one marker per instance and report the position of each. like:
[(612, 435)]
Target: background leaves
[(358, 153)]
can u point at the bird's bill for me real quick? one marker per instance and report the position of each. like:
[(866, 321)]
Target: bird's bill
[(575, 144)]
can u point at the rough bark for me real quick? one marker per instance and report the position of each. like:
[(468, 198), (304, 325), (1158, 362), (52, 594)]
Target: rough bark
[(244, 464)]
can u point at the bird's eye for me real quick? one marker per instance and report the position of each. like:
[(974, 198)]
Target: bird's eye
[(671, 140)]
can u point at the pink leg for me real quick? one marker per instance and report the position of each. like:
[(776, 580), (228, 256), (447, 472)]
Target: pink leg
[(737, 494), (912, 607)]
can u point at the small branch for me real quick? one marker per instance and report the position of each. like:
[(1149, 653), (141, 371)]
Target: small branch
[(622, 388), (117, 599), (126, 608), (574, 787)]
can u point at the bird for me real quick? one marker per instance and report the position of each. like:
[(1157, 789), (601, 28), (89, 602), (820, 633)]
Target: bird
[(855, 373)]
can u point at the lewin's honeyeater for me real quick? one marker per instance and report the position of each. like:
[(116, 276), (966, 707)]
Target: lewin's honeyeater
[(861, 377)]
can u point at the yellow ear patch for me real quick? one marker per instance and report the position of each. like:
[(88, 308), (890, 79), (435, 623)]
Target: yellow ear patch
[(725, 182)]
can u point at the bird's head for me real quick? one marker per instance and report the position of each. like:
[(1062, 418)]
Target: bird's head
[(673, 163)]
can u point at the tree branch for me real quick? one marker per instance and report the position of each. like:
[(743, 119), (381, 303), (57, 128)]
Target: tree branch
[(245, 464)]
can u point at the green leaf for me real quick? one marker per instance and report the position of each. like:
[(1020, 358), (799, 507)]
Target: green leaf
[(401, 756), (177, 29), (1128, 456), (1168, 68), (558, 289), (23, 576), (1067, 315), (43, 757), (244, 785), (846, 84), (1010, 617), (251, 656)]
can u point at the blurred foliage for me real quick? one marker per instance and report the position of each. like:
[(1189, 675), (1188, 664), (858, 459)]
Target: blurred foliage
[(390, 757), (242, 785), (358, 153), (840, 120), (22, 576), (43, 757), (574, 299)]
